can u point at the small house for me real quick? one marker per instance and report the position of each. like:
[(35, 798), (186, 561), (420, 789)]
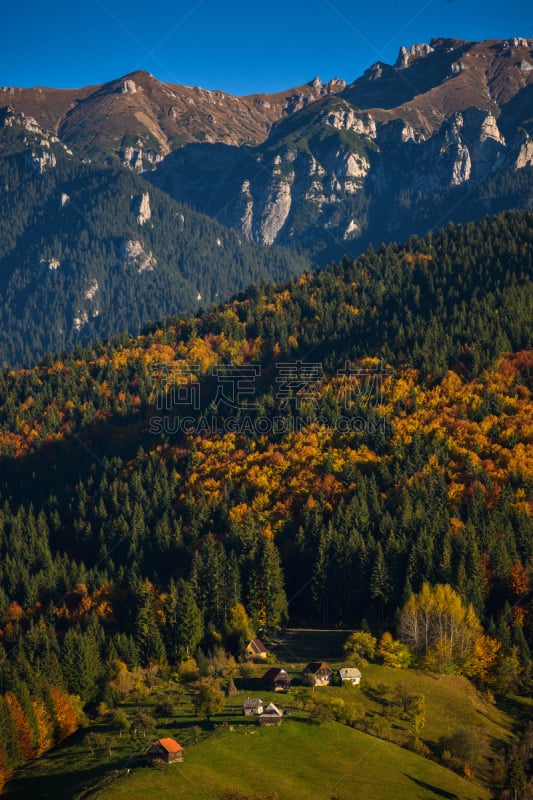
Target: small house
[(165, 751), (271, 715), (277, 679), (256, 649), (351, 674), (252, 706), (318, 673)]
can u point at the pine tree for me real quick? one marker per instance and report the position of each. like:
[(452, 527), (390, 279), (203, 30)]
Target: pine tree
[(380, 584), (147, 635), (519, 639), (8, 735), (267, 599), (516, 775), (81, 664), (187, 628)]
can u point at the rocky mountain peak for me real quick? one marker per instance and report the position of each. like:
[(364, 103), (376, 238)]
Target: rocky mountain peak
[(447, 44), (314, 167), (407, 56)]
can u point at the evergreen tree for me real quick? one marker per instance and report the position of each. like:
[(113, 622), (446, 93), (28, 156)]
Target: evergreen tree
[(147, 635), (81, 664), (267, 599), (516, 775), (9, 738), (185, 628)]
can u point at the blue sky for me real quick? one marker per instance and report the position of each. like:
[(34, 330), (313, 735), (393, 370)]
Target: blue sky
[(239, 47)]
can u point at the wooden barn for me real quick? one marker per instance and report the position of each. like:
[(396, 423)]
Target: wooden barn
[(277, 679), (318, 673), (252, 706), (271, 715), (166, 751), (256, 649)]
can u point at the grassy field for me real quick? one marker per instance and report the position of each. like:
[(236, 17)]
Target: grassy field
[(299, 759), (294, 646), (452, 703)]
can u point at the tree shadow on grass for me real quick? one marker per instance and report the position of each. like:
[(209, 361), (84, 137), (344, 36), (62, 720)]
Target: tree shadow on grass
[(67, 784), (518, 708), (435, 790), (256, 685)]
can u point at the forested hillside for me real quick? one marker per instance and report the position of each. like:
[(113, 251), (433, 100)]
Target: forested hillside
[(314, 451), (91, 251)]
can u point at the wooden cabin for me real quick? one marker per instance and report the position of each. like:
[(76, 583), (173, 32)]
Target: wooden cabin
[(256, 649), (252, 706), (165, 751), (318, 673), (277, 679), (272, 715)]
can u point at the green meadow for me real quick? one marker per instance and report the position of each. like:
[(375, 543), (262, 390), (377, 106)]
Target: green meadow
[(372, 759), (298, 761)]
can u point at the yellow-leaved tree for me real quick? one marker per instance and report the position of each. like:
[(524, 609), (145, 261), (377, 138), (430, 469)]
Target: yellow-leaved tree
[(360, 648), (439, 627)]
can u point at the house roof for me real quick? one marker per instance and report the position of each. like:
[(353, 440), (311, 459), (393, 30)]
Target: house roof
[(252, 702), (169, 745), (273, 709), (353, 672), (316, 666), (257, 646), (275, 672)]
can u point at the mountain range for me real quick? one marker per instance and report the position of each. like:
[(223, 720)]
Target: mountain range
[(135, 199)]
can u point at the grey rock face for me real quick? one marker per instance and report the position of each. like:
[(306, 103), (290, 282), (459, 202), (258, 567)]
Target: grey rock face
[(135, 255), (407, 56), (143, 209)]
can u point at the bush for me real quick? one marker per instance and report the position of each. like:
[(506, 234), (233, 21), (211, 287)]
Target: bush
[(188, 670), (321, 713), (246, 671), (119, 720), (165, 709), (393, 653), (144, 721)]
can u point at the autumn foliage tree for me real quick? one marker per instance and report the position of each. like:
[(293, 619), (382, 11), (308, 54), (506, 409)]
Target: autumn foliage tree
[(4, 770), (360, 647), (484, 660), (439, 628), (393, 653), (208, 697), (65, 715), (22, 726), (44, 727)]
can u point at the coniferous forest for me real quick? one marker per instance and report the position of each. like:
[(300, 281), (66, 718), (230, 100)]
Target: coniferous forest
[(320, 451), (76, 264)]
